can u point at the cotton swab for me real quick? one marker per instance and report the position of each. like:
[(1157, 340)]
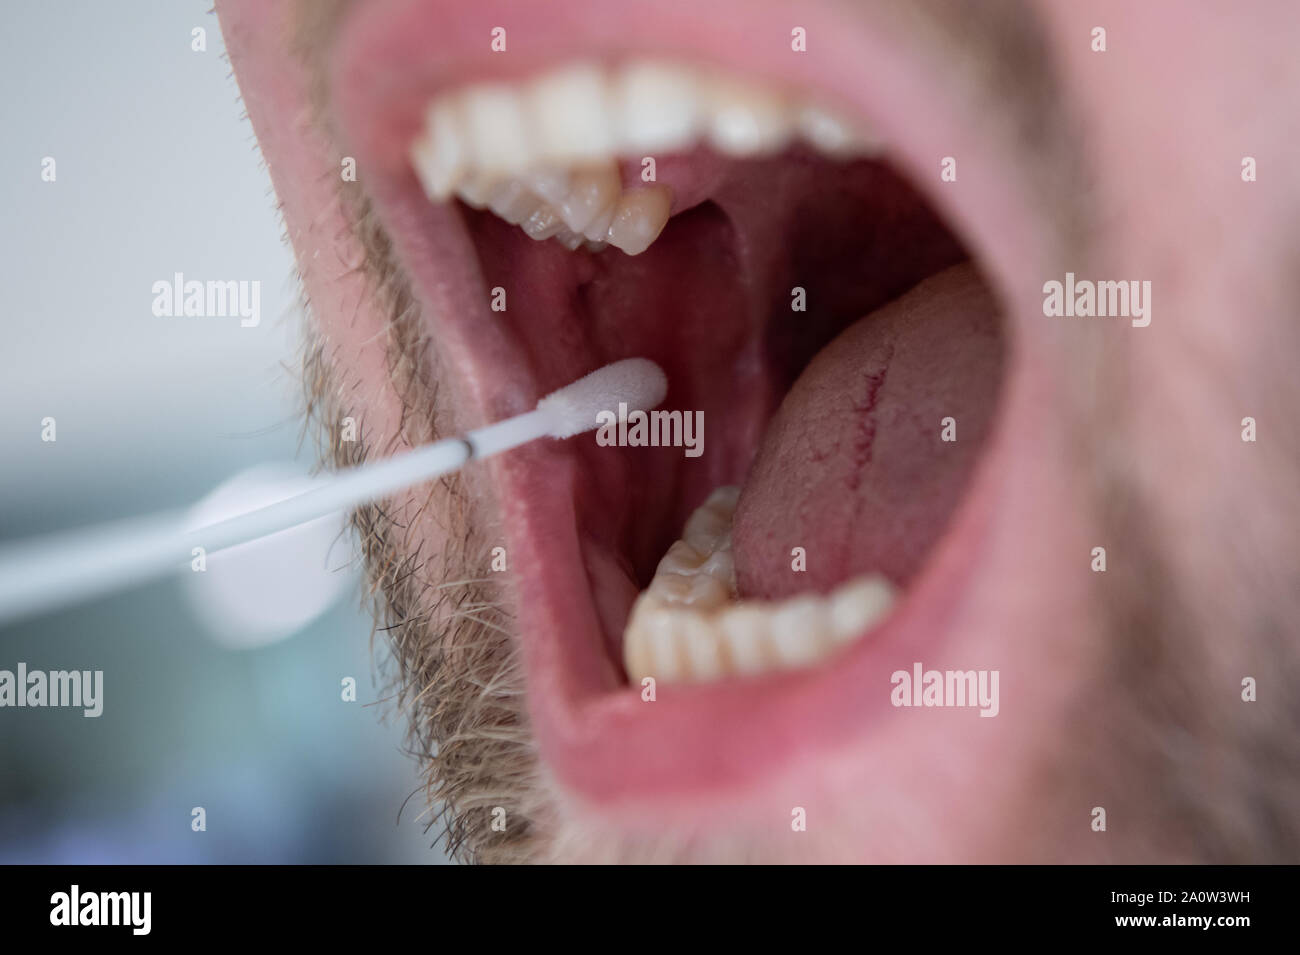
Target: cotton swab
[(41, 574)]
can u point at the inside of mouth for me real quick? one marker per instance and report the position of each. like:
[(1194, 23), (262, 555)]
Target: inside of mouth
[(857, 458)]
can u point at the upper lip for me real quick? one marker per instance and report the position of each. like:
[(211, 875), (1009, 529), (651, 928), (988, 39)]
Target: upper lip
[(605, 747)]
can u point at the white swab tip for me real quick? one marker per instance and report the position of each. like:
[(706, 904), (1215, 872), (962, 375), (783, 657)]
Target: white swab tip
[(638, 383)]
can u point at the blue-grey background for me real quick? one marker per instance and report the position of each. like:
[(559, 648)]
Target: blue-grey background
[(157, 172)]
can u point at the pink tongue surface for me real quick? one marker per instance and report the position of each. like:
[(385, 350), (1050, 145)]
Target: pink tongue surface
[(853, 468)]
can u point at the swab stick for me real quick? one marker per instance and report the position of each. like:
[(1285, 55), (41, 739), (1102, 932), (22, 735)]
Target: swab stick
[(48, 572)]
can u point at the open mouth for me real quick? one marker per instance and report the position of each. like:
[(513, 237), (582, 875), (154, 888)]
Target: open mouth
[(760, 249), (801, 522)]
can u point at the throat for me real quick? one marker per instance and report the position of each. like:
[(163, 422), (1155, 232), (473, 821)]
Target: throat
[(764, 263)]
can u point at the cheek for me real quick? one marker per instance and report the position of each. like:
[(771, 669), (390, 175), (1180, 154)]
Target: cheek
[(349, 319)]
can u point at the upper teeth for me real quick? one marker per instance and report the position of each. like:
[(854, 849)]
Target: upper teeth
[(545, 151)]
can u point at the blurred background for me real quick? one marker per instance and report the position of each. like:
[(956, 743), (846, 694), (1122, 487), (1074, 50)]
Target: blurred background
[(157, 173)]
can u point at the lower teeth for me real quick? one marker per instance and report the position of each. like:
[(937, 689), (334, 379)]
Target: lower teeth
[(689, 627)]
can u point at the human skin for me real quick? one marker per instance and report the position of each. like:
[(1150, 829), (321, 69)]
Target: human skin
[(1120, 689)]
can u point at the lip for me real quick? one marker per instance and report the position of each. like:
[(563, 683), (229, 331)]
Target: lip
[(605, 746)]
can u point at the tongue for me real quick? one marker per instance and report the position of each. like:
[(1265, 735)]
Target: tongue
[(853, 468)]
